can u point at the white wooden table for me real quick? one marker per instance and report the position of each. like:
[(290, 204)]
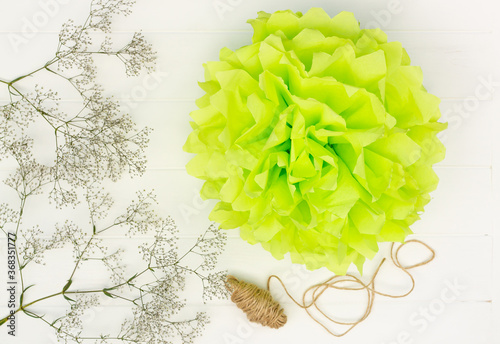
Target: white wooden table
[(455, 43)]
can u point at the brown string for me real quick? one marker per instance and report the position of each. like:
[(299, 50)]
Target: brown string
[(260, 306), (257, 303)]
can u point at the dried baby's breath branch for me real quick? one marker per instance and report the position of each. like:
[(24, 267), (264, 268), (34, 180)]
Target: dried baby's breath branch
[(91, 144), (152, 290), (98, 141)]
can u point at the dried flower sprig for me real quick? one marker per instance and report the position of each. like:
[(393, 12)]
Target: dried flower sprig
[(152, 290), (98, 141), (91, 144)]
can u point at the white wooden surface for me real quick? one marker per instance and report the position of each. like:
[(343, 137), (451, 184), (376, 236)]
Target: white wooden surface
[(456, 44)]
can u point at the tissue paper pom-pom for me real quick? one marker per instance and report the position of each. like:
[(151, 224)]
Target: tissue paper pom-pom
[(318, 139)]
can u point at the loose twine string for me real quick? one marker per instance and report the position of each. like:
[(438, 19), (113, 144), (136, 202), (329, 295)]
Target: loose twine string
[(260, 307)]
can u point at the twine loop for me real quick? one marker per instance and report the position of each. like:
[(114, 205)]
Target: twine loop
[(260, 307)]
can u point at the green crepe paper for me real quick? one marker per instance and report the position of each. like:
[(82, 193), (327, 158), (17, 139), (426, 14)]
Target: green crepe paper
[(318, 139)]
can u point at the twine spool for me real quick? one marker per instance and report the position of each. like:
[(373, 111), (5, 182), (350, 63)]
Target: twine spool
[(257, 303), (260, 307)]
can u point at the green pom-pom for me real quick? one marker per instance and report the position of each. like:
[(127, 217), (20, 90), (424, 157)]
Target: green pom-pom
[(318, 139)]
